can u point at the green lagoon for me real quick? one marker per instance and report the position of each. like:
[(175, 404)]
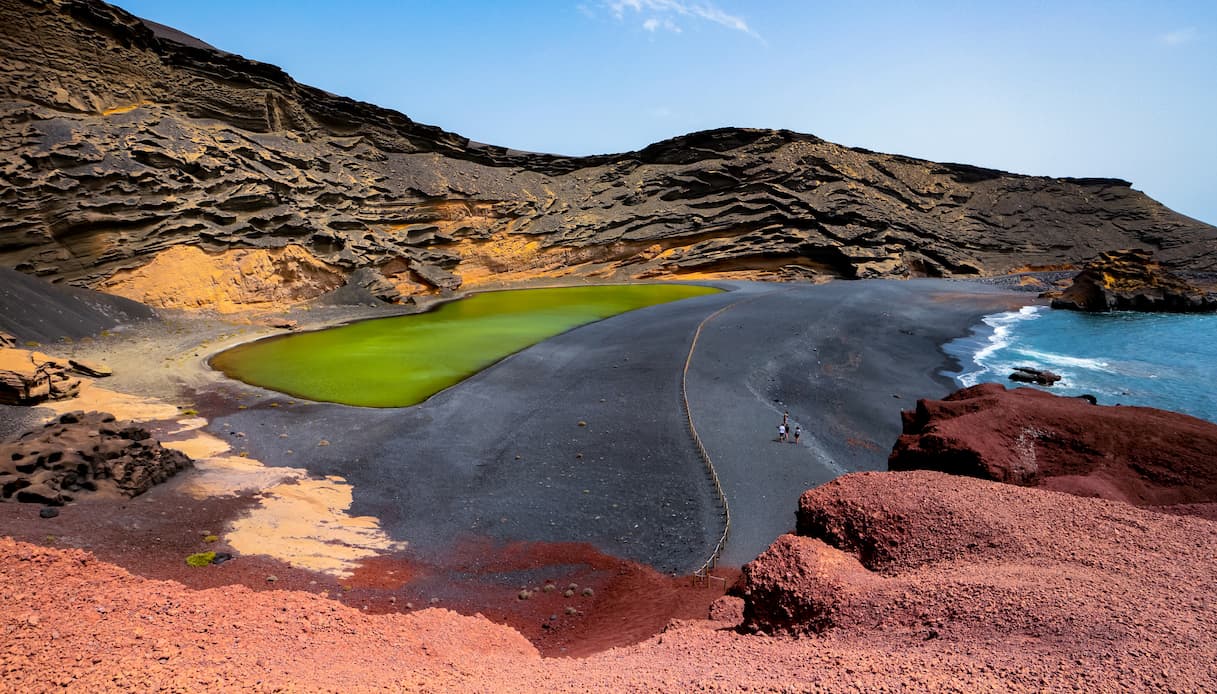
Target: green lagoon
[(401, 361)]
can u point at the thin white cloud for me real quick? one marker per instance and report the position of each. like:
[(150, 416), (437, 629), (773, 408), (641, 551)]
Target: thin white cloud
[(654, 24), (1179, 36), (661, 14)]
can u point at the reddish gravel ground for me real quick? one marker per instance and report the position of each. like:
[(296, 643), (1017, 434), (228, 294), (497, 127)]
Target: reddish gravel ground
[(149, 536), (983, 587)]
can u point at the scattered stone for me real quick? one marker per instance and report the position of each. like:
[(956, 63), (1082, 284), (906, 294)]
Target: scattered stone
[(323, 442), (48, 512), (272, 578), (1040, 377), (588, 592)]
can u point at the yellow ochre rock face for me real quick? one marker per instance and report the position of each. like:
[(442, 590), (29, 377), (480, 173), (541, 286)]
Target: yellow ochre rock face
[(187, 277)]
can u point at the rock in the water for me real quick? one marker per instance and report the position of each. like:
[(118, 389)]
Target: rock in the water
[(80, 454), (1027, 374), (1139, 455), (1131, 280)]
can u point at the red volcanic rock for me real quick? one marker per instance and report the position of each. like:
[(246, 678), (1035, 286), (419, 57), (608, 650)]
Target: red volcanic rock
[(801, 584), (925, 556), (1111, 598), (1138, 455)]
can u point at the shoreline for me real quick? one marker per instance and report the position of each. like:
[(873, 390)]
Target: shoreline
[(548, 505), (209, 358)]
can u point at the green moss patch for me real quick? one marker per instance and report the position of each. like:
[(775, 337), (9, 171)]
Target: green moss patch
[(201, 559)]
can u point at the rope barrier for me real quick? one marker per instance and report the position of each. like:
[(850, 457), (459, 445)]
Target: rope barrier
[(712, 561)]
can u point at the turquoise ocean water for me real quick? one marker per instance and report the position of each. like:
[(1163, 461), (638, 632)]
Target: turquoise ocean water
[(1162, 360)]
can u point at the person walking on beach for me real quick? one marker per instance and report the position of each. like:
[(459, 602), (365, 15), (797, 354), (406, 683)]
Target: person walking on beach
[(798, 430), (786, 417), (781, 432)]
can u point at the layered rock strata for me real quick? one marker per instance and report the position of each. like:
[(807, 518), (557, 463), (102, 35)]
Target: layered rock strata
[(1131, 280), (28, 377), (83, 454), (125, 142)]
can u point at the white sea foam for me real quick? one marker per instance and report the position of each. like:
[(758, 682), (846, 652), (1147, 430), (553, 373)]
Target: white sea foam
[(1002, 325), (1063, 361)]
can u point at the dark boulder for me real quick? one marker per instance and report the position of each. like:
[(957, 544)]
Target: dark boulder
[(83, 454), (1040, 377)]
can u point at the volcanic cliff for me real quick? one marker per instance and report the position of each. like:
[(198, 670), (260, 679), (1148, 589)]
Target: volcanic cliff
[(145, 163)]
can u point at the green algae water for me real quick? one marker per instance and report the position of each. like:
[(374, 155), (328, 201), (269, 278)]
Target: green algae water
[(401, 361)]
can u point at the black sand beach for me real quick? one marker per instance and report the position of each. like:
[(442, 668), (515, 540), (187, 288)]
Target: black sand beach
[(582, 438), (843, 359), (502, 456)]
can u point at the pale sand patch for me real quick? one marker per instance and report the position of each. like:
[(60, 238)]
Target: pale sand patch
[(298, 520), (94, 398), (229, 475), (305, 523)]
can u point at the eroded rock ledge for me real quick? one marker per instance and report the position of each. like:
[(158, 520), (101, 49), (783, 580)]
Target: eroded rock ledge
[(125, 141), (1131, 280), (84, 454)]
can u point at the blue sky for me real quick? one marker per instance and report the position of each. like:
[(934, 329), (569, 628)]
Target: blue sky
[(1118, 89)]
